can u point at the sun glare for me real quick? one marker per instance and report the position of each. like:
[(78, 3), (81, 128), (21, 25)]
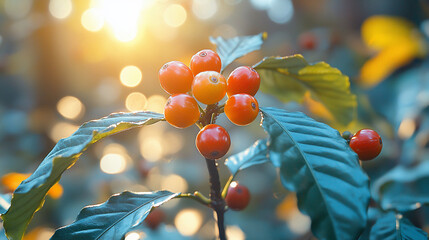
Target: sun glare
[(122, 17), (92, 20)]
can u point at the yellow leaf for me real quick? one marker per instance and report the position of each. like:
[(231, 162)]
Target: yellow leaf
[(292, 78), (387, 61), (397, 41), (317, 108), (12, 180), (287, 207), (379, 32), (39, 233)]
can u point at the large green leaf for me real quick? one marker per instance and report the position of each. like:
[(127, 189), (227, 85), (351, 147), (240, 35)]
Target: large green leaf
[(30, 194), (255, 154), (114, 218), (403, 189), (4, 202), (290, 78), (316, 163), (233, 48), (396, 227)]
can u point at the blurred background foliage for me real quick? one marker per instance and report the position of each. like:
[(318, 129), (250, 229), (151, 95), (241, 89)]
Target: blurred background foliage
[(64, 62)]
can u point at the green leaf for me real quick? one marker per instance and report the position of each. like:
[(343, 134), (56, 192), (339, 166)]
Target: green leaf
[(403, 189), (317, 163), (255, 154), (396, 227), (4, 202), (233, 48), (30, 194), (290, 78), (114, 218)]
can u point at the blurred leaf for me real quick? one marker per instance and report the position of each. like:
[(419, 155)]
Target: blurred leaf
[(234, 48), (12, 180), (403, 95), (317, 108), (396, 227), (317, 163), (403, 189), (31, 193), (161, 233), (114, 218), (2, 235), (387, 61), (4, 202), (290, 78), (398, 42), (256, 154), (374, 213), (38, 233), (380, 31), (285, 210)]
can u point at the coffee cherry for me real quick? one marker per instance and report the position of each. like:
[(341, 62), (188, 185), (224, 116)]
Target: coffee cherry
[(241, 109), (367, 144), (243, 80), (209, 87), (155, 218), (181, 110), (205, 60), (307, 41), (175, 77), (213, 141), (238, 197)]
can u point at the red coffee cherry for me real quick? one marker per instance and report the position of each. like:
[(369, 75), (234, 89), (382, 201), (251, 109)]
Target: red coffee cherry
[(367, 144), (213, 141), (155, 218), (175, 77), (181, 110), (238, 196), (307, 41), (205, 60), (243, 80), (241, 109), (209, 87)]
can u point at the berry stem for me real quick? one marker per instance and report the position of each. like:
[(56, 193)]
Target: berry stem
[(199, 125), (197, 196), (217, 202), (225, 188), (221, 108), (201, 109), (212, 119)]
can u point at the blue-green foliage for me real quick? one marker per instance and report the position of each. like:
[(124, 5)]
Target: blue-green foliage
[(395, 227), (316, 162), (4, 202), (114, 218), (233, 48), (32, 191), (255, 154), (403, 188)]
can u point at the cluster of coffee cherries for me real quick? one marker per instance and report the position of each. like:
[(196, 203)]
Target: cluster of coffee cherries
[(202, 82), (366, 143)]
